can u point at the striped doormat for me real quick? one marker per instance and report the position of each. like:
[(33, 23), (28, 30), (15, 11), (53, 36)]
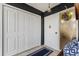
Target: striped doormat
[(41, 52)]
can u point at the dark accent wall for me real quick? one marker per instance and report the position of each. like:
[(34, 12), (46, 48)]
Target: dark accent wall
[(58, 8), (42, 29)]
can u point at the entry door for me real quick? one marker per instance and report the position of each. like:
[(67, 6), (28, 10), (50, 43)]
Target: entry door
[(10, 39), (52, 31)]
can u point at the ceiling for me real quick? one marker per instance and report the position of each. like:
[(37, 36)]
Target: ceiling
[(42, 6)]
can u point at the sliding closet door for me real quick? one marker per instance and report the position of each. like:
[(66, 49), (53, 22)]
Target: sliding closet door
[(26, 30), (10, 35), (30, 30), (20, 30), (34, 31), (37, 31), (52, 31)]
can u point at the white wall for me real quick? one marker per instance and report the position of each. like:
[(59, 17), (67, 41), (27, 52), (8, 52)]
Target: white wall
[(51, 38)]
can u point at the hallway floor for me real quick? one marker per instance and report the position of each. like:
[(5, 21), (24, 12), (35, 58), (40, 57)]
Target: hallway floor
[(25, 53)]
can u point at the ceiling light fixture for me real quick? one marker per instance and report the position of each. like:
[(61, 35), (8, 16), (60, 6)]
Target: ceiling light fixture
[(66, 15), (49, 8)]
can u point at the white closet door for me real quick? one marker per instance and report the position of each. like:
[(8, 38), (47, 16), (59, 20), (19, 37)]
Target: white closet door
[(26, 30), (20, 31), (10, 39), (37, 30), (31, 33), (52, 31), (34, 31)]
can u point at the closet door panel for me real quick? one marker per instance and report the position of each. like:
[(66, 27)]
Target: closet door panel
[(20, 31), (26, 30), (20, 22), (30, 37), (10, 39), (11, 42), (35, 29)]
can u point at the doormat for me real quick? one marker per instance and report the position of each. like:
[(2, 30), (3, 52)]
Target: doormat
[(41, 52)]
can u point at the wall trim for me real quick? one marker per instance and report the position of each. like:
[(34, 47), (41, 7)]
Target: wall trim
[(42, 29)]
